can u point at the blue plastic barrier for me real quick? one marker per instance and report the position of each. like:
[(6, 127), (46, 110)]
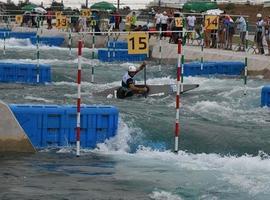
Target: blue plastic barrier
[(211, 68), (117, 44), (4, 34), (21, 35), (5, 29), (50, 41), (56, 125), (265, 96), (24, 73), (111, 55)]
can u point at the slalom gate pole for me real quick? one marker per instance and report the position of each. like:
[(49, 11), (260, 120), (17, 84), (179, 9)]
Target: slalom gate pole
[(160, 52), (38, 54), (78, 127), (177, 105), (93, 55), (69, 41), (202, 49), (182, 66), (108, 44), (246, 62), (4, 48)]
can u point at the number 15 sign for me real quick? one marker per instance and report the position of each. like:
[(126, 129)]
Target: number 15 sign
[(138, 43)]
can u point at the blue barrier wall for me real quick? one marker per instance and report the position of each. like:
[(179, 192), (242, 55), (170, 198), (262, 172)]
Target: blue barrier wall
[(111, 55), (24, 73), (265, 96), (21, 35), (50, 41), (56, 125), (117, 44), (4, 29), (210, 68), (118, 51), (17, 35)]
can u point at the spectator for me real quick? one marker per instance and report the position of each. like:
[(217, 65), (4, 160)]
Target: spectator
[(117, 19), (267, 32), (111, 22), (133, 20), (191, 20), (242, 27), (164, 21), (259, 33), (158, 20), (49, 18), (229, 26), (221, 33)]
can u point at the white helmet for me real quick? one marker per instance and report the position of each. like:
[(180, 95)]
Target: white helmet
[(132, 68), (259, 15)]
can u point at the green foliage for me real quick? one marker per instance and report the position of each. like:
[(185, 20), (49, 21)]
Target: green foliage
[(230, 6)]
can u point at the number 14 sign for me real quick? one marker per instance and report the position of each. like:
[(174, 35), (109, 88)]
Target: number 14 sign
[(138, 43)]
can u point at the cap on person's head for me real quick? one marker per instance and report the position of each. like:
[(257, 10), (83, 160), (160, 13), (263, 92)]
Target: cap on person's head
[(164, 12), (132, 68), (259, 15)]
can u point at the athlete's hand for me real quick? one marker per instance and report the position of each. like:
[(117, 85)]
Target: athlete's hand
[(145, 89), (143, 64)]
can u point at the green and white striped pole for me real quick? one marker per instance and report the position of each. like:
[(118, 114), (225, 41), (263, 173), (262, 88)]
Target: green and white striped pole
[(182, 69), (246, 62), (4, 48), (108, 45), (69, 41), (93, 55), (183, 58), (202, 48), (38, 70), (160, 51)]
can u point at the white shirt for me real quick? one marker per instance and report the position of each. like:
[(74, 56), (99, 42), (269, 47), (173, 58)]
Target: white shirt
[(158, 18), (191, 20), (164, 19)]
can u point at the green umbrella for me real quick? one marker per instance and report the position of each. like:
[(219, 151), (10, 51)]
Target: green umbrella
[(103, 5), (29, 7), (199, 6)]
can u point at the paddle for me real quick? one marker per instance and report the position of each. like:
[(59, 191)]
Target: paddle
[(145, 94)]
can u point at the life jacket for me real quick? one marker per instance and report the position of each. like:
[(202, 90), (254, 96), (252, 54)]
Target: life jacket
[(127, 78)]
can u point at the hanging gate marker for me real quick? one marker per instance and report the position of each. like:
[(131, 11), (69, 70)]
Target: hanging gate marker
[(93, 55), (160, 52), (246, 62), (4, 48), (38, 70), (69, 41), (177, 104), (78, 127)]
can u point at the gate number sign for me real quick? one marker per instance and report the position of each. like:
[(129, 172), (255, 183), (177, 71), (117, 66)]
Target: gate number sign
[(138, 43), (211, 22)]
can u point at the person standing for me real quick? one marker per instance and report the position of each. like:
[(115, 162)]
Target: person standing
[(133, 20), (164, 23), (49, 18), (242, 27), (259, 33), (267, 33), (158, 20), (191, 20)]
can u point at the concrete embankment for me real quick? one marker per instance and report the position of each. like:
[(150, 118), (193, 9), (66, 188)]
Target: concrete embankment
[(257, 64), (12, 136)]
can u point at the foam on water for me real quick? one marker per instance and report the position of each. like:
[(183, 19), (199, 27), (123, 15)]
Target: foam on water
[(163, 195), (38, 99)]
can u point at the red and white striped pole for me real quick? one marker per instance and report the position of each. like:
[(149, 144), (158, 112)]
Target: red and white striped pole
[(78, 128), (177, 105)]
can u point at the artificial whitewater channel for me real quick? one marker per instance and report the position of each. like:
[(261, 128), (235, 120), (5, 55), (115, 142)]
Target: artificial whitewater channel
[(224, 137)]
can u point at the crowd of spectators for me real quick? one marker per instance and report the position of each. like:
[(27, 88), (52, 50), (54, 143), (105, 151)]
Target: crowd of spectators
[(222, 37)]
